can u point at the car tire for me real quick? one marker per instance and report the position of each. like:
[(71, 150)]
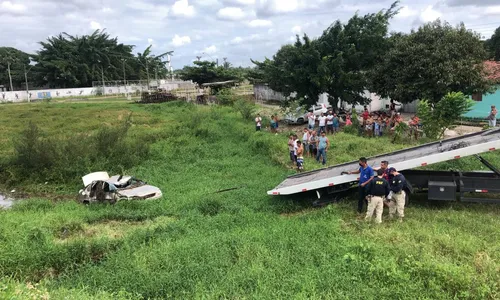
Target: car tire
[(300, 121)]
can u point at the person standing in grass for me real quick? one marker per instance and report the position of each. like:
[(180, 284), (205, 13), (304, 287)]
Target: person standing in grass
[(365, 177), (323, 145), (348, 121), (291, 148), (378, 189), (329, 122), (313, 144), (311, 118), (305, 140), (300, 156), (335, 123), (322, 123), (376, 128), (365, 115), (492, 118), (398, 198), (258, 122), (273, 124)]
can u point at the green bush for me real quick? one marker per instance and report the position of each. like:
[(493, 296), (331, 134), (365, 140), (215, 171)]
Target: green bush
[(226, 97), (444, 114), (40, 158), (245, 108)]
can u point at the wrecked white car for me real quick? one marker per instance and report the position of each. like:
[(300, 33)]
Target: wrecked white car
[(99, 187)]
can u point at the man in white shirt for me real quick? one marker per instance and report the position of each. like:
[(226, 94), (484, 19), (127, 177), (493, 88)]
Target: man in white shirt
[(322, 124), (329, 122), (258, 122), (311, 120)]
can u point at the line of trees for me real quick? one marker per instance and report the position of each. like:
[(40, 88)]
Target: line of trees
[(76, 61), (348, 59)]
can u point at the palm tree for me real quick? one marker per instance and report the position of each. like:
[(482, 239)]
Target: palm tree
[(147, 60)]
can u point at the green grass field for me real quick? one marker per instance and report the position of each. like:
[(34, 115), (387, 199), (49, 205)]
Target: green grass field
[(196, 243)]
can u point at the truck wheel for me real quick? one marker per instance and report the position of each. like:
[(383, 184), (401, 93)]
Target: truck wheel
[(407, 198)]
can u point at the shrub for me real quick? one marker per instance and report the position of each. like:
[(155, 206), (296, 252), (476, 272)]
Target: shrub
[(65, 159), (225, 97), (245, 108), (445, 113)]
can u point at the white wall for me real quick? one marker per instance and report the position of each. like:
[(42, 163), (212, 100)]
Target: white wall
[(38, 95)]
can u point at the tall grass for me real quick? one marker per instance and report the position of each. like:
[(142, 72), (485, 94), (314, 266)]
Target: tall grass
[(197, 243)]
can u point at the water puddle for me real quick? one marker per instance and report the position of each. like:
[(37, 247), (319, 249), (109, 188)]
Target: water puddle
[(5, 201)]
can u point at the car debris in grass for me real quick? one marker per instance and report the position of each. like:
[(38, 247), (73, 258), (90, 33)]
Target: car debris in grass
[(99, 187)]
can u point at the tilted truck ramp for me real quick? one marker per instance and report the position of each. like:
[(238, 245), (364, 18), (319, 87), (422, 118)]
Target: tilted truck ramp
[(423, 155)]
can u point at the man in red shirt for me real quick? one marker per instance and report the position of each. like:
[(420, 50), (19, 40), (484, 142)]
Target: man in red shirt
[(365, 115)]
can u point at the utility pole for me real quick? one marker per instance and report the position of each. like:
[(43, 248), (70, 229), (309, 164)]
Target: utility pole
[(147, 72), (26, 81), (10, 77), (156, 77), (198, 58), (103, 84), (124, 76)]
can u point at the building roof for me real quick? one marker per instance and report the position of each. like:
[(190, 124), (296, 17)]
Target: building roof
[(493, 70)]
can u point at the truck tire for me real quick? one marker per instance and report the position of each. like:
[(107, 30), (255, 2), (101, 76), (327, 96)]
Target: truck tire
[(407, 198)]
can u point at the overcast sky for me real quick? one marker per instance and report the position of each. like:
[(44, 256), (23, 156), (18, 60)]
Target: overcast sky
[(235, 29)]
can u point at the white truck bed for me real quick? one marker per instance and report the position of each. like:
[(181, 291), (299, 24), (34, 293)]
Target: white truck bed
[(423, 155)]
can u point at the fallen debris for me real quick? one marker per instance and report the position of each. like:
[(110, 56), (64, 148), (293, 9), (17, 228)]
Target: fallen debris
[(99, 187)]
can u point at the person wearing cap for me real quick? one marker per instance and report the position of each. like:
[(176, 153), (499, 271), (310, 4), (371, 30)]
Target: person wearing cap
[(366, 175), (378, 190), (397, 186)]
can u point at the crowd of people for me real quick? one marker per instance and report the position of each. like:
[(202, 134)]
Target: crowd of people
[(314, 142), (379, 187)]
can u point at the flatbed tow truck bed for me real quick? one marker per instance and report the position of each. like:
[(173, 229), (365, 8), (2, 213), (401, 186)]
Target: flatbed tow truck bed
[(331, 178)]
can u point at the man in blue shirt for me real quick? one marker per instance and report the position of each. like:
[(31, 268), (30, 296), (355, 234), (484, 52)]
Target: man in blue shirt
[(366, 175)]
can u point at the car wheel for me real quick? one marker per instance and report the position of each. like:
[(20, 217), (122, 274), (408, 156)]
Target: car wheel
[(300, 121)]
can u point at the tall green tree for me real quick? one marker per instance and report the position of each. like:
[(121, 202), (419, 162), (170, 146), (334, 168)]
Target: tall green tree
[(294, 69), (77, 61), (493, 45), (431, 62), (15, 60), (208, 72), (337, 63)]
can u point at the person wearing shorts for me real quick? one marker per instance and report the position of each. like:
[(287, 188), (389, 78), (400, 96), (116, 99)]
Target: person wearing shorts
[(313, 141), (300, 156)]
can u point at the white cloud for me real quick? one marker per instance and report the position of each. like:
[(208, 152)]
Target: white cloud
[(106, 10), (296, 29), (406, 12), (94, 25), (270, 7), (260, 23), (231, 13), (236, 40), (210, 50), (178, 41), (429, 14), (150, 41), (8, 6), (492, 10), (182, 8), (207, 2), (239, 2)]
